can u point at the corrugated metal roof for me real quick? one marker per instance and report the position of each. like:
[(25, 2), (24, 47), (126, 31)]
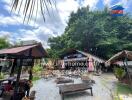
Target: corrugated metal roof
[(16, 49), (37, 51)]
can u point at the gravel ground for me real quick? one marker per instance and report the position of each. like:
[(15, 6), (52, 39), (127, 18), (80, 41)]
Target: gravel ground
[(104, 85)]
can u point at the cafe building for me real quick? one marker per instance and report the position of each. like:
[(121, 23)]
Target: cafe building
[(78, 59)]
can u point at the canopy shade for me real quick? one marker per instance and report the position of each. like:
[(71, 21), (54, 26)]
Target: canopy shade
[(120, 56), (26, 51)]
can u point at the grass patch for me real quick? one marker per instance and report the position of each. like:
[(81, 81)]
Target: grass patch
[(35, 78), (120, 89), (123, 89)]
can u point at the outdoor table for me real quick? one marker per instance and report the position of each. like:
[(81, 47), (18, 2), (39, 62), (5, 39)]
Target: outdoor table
[(75, 75), (73, 88), (63, 80), (87, 80)]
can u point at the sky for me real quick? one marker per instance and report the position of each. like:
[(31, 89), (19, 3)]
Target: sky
[(13, 28)]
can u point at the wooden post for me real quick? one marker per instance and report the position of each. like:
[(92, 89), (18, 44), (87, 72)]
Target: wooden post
[(0, 69), (19, 65), (129, 76), (30, 71), (87, 64), (13, 67), (30, 74)]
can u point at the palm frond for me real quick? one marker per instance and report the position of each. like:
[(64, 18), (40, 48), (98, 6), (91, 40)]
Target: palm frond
[(29, 6)]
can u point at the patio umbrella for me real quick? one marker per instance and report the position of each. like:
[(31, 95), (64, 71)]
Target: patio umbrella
[(90, 65), (63, 65)]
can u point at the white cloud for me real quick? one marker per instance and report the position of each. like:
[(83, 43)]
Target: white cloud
[(107, 2), (12, 20), (125, 3), (5, 34), (91, 3), (54, 25), (66, 7)]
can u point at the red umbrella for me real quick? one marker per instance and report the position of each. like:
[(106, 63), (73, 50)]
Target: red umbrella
[(90, 65)]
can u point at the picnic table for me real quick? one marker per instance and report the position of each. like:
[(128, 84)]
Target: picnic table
[(73, 88), (74, 75), (63, 80), (87, 80)]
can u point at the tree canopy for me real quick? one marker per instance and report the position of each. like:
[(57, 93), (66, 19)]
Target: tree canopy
[(4, 43), (96, 32)]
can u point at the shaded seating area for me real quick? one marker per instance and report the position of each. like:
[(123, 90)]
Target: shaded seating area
[(123, 57), (22, 56), (74, 88), (72, 85)]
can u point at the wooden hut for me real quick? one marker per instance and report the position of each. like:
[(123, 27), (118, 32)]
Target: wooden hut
[(75, 58), (23, 56), (123, 59)]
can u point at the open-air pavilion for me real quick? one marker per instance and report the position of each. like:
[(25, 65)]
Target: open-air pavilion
[(123, 59), (23, 56)]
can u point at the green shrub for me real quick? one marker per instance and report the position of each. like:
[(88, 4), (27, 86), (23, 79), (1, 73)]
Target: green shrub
[(37, 69), (1, 76), (36, 78), (119, 72)]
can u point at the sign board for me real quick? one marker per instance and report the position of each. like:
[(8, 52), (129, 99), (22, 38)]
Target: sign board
[(117, 10)]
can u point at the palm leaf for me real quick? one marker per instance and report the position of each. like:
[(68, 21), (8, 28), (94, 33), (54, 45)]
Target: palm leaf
[(29, 6)]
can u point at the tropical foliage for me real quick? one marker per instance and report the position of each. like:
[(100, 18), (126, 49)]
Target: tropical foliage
[(4, 43), (96, 32), (119, 72), (1, 75), (37, 69), (32, 7)]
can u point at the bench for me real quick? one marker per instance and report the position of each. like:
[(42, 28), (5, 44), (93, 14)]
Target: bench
[(73, 88)]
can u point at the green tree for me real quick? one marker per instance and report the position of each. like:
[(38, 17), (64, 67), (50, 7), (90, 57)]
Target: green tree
[(95, 31), (4, 43)]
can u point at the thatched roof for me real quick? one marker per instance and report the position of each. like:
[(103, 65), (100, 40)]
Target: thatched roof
[(92, 56), (85, 56), (120, 56)]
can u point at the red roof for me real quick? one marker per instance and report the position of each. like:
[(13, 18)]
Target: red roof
[(16, 49), (37, 50)]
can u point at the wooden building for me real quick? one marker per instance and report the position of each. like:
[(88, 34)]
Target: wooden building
[(123, 59), (23, 56), (75, 58)]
